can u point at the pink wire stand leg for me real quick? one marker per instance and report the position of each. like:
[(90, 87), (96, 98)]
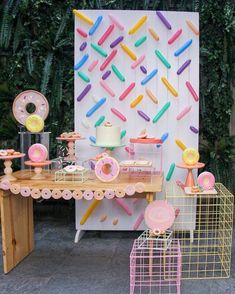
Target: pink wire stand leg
[(179, 268), (151, 256)]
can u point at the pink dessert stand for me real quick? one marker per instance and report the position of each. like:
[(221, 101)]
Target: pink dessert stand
[(190, 179), (7, 163), (38, 168), (71, 146)]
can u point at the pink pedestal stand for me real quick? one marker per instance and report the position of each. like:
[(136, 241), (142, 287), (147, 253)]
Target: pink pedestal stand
[(70, 146), (37, 168), (190, 179), (7, 163)]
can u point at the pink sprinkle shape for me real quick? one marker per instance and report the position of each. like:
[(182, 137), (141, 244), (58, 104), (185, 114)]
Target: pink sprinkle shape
[(107, 88), (129, 150), (106, 34), (174, 37), (116, 22), (127, 91), (118, 114), (123, 205), (164, 20), (93, 65), (183, 112), (138, 61), (192, 91), (108, 60), (138, 221), (82, 33)]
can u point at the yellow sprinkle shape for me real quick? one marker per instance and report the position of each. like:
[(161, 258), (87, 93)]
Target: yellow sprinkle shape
[(153, 34), (192, 27), (180, 144), (139, 23), (89, 211), (169, 87), (83, 17), (136, 101), (151, 95), (128, 51)]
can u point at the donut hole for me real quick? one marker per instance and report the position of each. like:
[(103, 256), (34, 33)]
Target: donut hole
[(30, 108), (107, 168)]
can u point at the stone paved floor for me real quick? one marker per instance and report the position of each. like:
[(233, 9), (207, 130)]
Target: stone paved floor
[(99, 264)]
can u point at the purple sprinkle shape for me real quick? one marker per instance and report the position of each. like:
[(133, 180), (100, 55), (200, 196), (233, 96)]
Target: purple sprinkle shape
[(116, 42), (183, 66), (164, 20), (84, 92), (193, 129), (106, 74), (143, 115), (83, 46), (143, 69)]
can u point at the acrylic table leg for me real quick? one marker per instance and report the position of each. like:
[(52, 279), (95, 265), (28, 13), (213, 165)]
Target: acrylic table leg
[(17, 228)]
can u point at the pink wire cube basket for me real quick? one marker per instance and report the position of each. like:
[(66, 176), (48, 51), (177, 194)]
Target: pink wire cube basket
[(155, 271)]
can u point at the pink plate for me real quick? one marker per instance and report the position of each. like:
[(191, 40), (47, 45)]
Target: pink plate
[(146, 141), (159, 215), (70, 139), (9, 157)]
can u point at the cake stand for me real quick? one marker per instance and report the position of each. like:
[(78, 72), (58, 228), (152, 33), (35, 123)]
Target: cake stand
[(7, 163), (38, 168), (190, 179), (70, 146)]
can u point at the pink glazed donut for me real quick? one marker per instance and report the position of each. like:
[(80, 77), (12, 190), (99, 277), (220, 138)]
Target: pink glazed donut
[(25, 191), (67, 194), (37, 153), (206, 180), (109, 194), (107, 169), (46, 193), (88, 194)]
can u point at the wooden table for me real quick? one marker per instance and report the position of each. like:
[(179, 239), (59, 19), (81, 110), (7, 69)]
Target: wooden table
[(17, 211)]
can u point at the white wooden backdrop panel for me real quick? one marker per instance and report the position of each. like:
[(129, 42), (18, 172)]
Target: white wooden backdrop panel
[(168, 123)]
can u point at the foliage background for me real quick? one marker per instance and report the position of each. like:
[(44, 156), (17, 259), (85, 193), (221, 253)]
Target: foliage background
[(36, 52)]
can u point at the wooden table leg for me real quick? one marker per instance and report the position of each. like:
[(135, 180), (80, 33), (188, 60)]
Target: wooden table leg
[(17, 228)]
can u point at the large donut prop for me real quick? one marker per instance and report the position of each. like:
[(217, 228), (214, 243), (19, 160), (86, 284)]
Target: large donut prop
[(37, 153), (190, 156), (107, 169), (206, 180), (30, 97)]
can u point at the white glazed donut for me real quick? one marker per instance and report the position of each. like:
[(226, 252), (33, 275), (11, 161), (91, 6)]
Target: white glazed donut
[(30, 97)]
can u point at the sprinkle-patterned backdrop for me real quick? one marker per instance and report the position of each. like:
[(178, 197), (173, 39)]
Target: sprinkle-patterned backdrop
[(136, 69)]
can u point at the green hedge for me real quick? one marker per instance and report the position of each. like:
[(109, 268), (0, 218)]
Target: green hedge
[(36, 43)]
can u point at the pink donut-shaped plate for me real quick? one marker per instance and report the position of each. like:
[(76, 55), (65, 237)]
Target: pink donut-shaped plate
[(139, 187), (37, 153), (5, 185), (159, 215), (113, 167), (46, 193), (88, 194), (120, 193), (25, 191), (35, 193), (56, 194), (15, 189), (77, 194), (109, 194), (99, 195), (23, 99), (130, 190), (67, 194), (206, 180)]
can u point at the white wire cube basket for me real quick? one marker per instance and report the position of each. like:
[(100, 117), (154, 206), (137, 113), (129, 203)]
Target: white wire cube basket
[(157, 242), (76, 176)]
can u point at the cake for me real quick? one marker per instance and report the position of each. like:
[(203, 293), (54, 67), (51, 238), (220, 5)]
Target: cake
[(108, 135)]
